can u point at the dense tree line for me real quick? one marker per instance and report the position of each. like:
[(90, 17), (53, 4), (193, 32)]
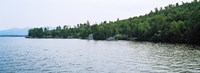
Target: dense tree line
[(173, 23)]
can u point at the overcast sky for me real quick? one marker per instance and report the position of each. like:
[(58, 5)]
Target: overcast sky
[(40, 13)]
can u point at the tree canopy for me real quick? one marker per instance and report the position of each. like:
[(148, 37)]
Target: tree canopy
[(174, 23)]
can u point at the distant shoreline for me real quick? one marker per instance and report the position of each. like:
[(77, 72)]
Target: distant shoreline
[(13, 35)]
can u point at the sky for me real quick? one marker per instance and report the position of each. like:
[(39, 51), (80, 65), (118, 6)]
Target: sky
[(51, 13)]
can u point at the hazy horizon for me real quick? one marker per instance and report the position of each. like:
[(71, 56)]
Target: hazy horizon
[(37, 13)]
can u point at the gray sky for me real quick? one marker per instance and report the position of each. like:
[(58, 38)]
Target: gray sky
[(40, 13)]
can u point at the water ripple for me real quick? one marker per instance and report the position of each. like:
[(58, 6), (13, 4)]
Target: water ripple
[(82, 56)]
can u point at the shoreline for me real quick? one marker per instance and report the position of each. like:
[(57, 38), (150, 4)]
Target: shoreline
[(195, 44)]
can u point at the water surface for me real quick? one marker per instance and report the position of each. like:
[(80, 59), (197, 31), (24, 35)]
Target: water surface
[(20, 55)]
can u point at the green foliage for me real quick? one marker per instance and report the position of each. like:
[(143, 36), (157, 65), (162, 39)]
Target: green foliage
[(173, 23)]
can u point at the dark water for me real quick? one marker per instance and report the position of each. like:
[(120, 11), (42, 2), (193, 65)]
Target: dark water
[(20, 55)]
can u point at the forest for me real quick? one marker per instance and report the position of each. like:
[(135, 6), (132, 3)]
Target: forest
[(175, 23)]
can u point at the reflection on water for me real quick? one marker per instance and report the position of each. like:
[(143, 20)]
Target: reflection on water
[(22, 55)]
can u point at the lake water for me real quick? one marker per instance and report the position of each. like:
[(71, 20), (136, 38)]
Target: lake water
[(21, 55)]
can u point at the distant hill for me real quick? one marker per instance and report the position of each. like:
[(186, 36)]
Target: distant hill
[(15, 31)]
